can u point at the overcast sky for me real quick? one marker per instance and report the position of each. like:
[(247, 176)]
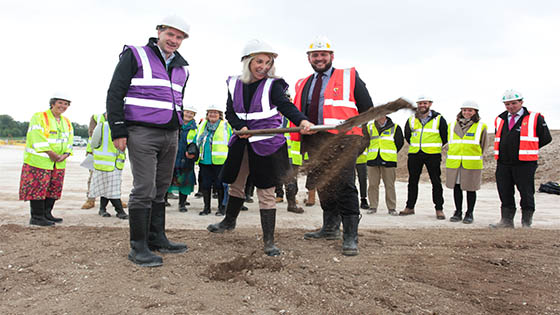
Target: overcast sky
[(450, 50)]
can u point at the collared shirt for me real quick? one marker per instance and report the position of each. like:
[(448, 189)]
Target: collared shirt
[(326, 76), (425, 120), (168, 60), (517, 115)]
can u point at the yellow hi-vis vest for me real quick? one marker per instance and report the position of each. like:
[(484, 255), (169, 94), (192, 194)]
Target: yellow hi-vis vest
[(44, 134), (106, 157), (362, 158), (219, 142), (425, 138), (465, 151), (98, 119), (383, 144), (294, 150)]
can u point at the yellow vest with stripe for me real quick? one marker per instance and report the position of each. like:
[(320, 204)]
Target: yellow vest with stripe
[(44, 134), (294, 150), (363, 157), (219, 141), (465, 151), (106, 157), (383, 144), (98, 119), (425, 137)]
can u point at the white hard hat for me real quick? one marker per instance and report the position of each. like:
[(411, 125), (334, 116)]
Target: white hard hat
[(215, 107), (424, 98), (176, 22), (190, 108), (320, 43), (512, 95), (470, 104), (255, 46), (61, 96)]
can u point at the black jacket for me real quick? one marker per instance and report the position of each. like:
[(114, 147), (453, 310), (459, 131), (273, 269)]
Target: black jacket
[(509, 139), (399, 142), (442, 130), (124, 72)]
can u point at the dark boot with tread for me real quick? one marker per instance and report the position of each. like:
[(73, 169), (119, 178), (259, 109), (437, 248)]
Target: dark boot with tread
[(232, 211)]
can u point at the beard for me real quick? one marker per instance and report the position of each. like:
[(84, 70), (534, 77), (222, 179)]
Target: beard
[(325, 68)]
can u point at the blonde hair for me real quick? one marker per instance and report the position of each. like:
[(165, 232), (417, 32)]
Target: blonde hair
[(246, 75)]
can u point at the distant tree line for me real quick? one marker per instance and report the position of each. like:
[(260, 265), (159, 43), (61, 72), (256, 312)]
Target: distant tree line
[(15, 129)]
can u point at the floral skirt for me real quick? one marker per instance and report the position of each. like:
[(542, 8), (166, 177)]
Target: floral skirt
[(38, 184)]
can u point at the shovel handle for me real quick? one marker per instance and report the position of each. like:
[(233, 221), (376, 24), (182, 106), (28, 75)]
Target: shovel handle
[(275, 131)]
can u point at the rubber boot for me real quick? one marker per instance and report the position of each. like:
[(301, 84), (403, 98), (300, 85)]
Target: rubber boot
[(221, 208), (292, 205), (157, 240), (49, 205), (232, 211), (38, 213), (117, 203), (103, 207), (468, 219), (350, 241), (166, 198), (268, 223), (526, 218), (364, 204), (457, 216), (140, 254), (206, 196), (182, 203), (507, 219), (330, 229)]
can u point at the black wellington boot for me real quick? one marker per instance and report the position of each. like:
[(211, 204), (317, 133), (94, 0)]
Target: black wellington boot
[(268, 224), (207, 197), (140, 254), (117, 203), (507, 219), (457, 216), (103, 202), (330, 229), (468, 219), (38, 213), (157, 240), (350, 235), (182, 203), (526, 218), (221, 208), (49, 205), (232, 211)]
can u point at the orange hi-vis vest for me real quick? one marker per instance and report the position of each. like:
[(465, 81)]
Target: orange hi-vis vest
[(339, 103), (528, 140)]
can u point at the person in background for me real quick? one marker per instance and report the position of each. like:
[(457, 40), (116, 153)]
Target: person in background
[(362, 172), (212, 140), (465, 155), (90, 202), (108, 163), (183, 174), (48, 144), (426, 132), (386, 140), (520, 134), (255, 101)]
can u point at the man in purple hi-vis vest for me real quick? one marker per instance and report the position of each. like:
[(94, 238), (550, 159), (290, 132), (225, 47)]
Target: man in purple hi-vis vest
[(144, 107)]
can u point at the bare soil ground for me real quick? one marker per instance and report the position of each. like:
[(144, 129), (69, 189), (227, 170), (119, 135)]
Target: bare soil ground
[(407, 265)]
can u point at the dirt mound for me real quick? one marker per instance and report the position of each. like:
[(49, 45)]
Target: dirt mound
[(242, 265)]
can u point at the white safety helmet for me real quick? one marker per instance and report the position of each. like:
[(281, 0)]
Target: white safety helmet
[(320, 43), (470, 104), (512, 95), (190, 108), (176, 22), (424, 98), (58, 95), (215, 107), (256, 46)]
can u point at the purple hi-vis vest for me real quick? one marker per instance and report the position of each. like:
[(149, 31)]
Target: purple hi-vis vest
[(261, 115), (152, 95)]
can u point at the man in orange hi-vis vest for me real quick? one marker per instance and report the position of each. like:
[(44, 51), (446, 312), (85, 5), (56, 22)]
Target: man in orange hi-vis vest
[(330, 96), (520, 134)]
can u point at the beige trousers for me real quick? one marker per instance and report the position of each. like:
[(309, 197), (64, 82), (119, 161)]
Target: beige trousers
[(237, 188), (389, 175)]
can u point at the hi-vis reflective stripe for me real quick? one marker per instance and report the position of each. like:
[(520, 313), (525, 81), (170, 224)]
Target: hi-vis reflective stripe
[(266, 112), (145, 62), (464, 157), (36, 127), (345, 101), (426, 145), (476, 139), (219, 153), (333, 121), (155, 82), (340, 103), (231, 85), (259, 138), (528, 151), (148, 103), (108, 163), (31, 151), (435, 125), (37, 145), (57, 140)]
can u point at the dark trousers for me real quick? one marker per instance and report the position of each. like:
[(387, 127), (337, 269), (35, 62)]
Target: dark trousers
[(361, 170), (210, 176), (521, 176), (291, 183), (415, 164)]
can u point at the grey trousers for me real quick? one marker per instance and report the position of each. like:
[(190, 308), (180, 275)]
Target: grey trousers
[(152, 153)]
